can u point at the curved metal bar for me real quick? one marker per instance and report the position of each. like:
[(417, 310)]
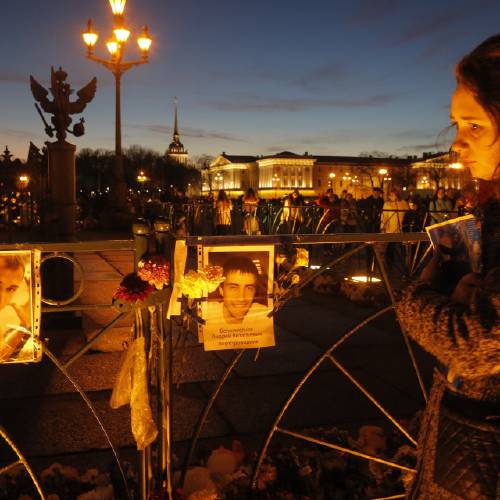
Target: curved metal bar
[(84, 396), (390, 292), (274, 227), (7, 468), (206, 411), (390, 498), (23, 460), (416, 265), (292, 293), (65, 256), (345, 450), (92, 341), (304, 379), (372, 399)]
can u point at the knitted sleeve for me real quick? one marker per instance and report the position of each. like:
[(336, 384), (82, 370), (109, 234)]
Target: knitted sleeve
[(464, 338)]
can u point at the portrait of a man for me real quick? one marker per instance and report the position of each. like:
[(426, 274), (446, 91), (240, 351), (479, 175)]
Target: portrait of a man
[(238, 291), (16, 332), (237, 314)]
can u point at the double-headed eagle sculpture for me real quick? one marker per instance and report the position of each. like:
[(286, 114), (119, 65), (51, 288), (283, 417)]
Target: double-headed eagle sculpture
[(60, 106)]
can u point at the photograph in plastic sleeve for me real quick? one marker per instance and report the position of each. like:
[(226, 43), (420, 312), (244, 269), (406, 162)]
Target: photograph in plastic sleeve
[(458, 241), (19, 310), (236, 314)]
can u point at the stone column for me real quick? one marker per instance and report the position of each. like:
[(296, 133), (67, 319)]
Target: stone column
[(57, 274), (61, 217)]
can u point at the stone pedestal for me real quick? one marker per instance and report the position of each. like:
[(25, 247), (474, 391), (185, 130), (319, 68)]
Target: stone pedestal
[(61, 210), (60, 221)]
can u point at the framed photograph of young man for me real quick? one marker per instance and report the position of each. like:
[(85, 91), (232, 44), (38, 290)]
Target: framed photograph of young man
[(19, 306), (237, 313)]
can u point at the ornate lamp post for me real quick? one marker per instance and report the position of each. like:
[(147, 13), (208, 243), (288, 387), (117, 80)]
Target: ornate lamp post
[(117, 66)]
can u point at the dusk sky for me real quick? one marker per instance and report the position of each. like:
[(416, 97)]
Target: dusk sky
[(252, 77)]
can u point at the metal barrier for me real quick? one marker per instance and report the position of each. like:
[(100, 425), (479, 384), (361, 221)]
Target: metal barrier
[(160, 240), (65, 251), (362, 242)]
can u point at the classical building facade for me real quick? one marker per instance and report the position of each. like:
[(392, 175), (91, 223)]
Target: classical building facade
[(277, 175), (440, 169), (176, 149)]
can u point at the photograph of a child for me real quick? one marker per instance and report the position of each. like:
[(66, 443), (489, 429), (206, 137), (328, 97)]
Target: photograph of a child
[(236, 313), (17, 343)]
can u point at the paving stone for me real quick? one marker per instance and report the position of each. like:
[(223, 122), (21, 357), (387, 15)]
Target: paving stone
[(63, 424), (60, 424), (93, 372), (250, 404), (189, 402), (193, 364), (285, 357), (112, 340)]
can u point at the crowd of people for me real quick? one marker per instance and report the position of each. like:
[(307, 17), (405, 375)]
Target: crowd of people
[(329, 213)]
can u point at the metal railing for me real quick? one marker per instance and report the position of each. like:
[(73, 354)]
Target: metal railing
[(160, 240), (360, 243), (66, 251)]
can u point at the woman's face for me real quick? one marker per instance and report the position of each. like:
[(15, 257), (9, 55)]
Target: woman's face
[(475, 142)]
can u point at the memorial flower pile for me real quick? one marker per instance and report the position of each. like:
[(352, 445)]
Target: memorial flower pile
[(155, 270), (61, 482), (304, 470)]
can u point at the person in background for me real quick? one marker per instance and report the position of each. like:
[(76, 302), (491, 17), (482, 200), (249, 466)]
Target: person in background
[(292, 211), (331, 211), (413, 220), (452, 195), (250, 222), (467, 201), (440, 207), (393, 214), (222, 214), (371, 210), (458, 450), (349, 213)]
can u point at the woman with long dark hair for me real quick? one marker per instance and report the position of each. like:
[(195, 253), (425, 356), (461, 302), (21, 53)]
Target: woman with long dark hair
[(223, 210), (458, 454)]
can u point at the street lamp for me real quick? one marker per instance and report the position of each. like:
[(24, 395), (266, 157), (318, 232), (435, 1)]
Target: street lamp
[(331, 176), (275, 180), (219, 178), (24, 181), (141, 177), (116, 48)]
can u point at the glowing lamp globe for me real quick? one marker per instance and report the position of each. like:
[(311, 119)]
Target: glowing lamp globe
[(117, 6), (144, 41), (90, 36), (121, 34), (112, 47)]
